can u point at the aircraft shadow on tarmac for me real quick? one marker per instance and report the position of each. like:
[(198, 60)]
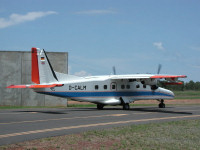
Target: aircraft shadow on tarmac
[(149, 109), (146, 109), (161, 111)]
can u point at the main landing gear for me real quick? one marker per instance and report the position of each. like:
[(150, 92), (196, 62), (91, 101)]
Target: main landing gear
[(126, 106), (100, 106), (162, 104)]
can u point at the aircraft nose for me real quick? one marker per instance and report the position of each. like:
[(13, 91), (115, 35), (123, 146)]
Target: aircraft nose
[(171, 93)]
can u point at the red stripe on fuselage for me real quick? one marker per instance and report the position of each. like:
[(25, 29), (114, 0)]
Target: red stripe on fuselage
[(35, 70)]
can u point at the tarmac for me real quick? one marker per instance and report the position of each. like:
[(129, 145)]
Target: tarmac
[(18, 125)]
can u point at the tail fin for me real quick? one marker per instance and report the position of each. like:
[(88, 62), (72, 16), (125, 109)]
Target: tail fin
[(42, 71), (35, 67)]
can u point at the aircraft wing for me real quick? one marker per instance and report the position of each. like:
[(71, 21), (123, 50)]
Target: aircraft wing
[(131, 76), (35, 86), (167, 76), (146, 76), (149, 79)]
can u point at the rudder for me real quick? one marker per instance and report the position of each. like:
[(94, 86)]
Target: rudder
[(35, 69), (42, 71)]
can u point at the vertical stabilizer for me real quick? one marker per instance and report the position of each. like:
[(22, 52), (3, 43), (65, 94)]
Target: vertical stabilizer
[(42, 71), (35, 69)]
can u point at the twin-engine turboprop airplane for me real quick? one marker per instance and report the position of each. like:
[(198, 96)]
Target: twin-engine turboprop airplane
[(101, 90)]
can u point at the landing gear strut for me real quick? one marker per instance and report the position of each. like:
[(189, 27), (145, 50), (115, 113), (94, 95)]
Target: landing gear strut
[(162, 104), (100, 106), (126, 106)]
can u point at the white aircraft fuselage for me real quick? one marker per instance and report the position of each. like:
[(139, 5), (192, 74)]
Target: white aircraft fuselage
[(102, 90)]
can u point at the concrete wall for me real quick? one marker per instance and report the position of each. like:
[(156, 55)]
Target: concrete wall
[(15, 68)]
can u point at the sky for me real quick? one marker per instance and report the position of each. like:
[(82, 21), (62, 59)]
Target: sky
[(135, 36)]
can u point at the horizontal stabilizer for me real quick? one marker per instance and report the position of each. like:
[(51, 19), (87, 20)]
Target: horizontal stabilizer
[(35, 86)]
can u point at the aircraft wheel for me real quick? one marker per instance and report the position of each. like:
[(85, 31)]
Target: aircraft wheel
[(100, 106), (126, 106), (162, 104)]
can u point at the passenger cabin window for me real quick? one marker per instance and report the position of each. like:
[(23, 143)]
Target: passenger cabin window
[(144, 86), (105, 87), (128, 86), (138, 86), (96, 87), (122, 86), (113, 87)]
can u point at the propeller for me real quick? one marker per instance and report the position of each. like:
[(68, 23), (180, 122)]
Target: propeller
[(159, 68), (154, 87), (114, 70)]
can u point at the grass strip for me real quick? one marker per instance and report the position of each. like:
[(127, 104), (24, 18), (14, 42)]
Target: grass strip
[(173, 135), (187, 94)]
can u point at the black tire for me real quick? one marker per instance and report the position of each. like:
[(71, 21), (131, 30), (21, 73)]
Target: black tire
[(161, 105), (100, 106), (126, 106)]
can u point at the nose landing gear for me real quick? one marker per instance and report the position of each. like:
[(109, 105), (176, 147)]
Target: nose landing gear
[(100, 106), (162, 104)]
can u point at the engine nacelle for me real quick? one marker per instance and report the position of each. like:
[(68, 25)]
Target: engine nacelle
[(172, 79), (149, 81)]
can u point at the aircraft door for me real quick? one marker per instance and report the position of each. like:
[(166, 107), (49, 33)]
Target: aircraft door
[(113, 86)]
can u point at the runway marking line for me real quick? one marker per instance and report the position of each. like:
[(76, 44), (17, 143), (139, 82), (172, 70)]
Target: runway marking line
[(111, 115), (92, 125)]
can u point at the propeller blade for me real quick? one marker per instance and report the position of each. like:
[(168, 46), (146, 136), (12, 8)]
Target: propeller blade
[(159, 68), (114, 70)]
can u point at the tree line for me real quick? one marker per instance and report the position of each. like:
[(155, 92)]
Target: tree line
[(191, 85)]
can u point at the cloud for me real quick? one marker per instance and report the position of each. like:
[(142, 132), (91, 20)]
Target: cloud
[(15, 19), (82, 73), (159, 45), (96, 12)]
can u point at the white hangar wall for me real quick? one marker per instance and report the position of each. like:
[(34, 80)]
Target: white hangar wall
[(15, 68)]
